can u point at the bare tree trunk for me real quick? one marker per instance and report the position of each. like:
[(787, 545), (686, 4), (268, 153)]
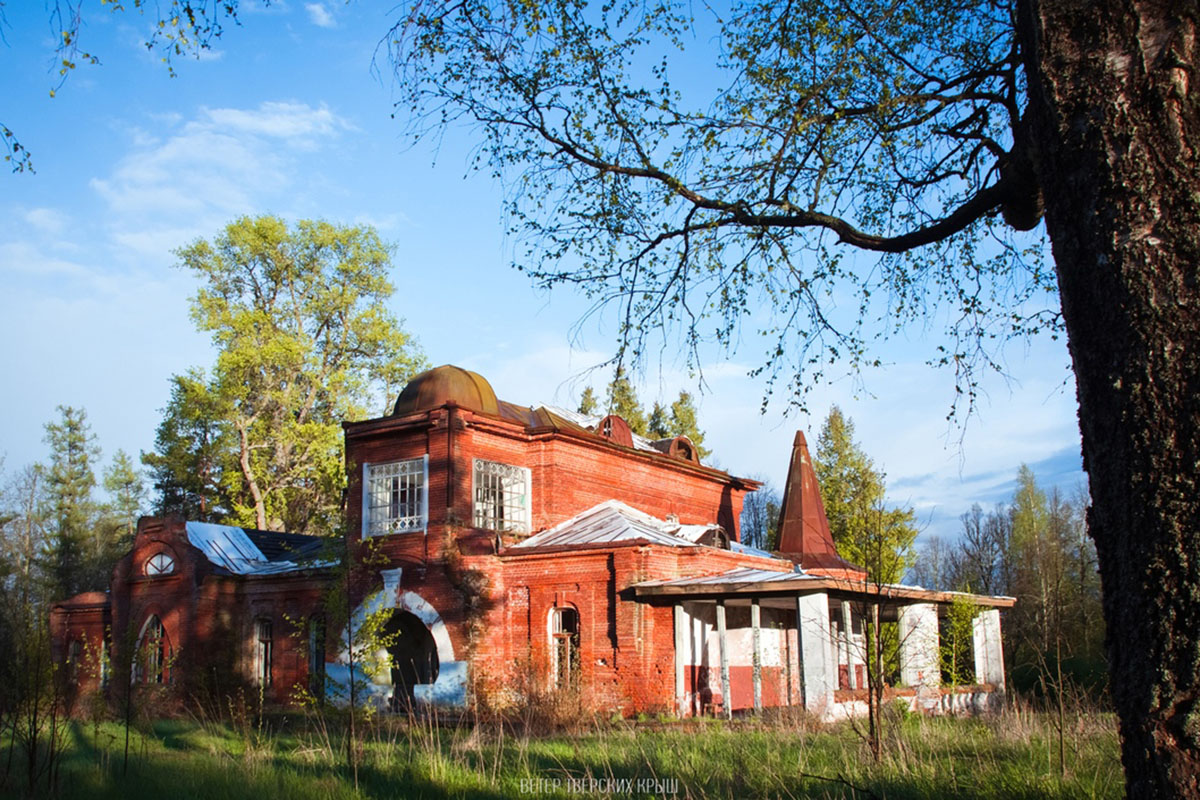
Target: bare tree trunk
[(1115, 126)]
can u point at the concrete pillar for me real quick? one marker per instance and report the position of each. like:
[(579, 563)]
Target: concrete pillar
[(726, 698), (756, 656), (989, 649), (848, 643), (920, 663), (818, 673), (682, 649)]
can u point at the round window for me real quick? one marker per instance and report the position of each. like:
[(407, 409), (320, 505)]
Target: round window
[(160, 564)]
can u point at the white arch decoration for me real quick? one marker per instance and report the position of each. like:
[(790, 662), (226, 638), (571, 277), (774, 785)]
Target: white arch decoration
[(375, 684)]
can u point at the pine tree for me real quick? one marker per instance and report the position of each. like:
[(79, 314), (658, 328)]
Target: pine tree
[(658, 426), (623, 401), (588, 404), (684, 423), (69, 484), (127, 495), (865, 530)]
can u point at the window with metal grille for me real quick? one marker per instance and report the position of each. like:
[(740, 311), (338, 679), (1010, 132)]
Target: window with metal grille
[(501, 496), (394, 497), (564, 643), (262, 656)]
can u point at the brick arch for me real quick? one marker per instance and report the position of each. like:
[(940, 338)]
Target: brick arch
[(450, 686)]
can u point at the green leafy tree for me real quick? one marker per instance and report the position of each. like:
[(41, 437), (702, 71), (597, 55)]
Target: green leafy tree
[(304, 339), (865, 532), (957, 642), (70, 480), (588, 404)]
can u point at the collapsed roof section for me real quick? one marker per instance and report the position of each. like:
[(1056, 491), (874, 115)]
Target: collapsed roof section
[(246, 551)]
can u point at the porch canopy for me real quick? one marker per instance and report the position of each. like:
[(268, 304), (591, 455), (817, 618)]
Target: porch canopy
[(826, 609)]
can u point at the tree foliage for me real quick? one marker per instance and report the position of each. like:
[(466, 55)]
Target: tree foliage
[(298, 316), (70, 481), (894, 127)]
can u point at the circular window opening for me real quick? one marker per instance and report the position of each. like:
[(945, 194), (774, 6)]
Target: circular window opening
[(160, 564)]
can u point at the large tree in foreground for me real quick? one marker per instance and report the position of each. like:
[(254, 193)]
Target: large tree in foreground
[(304, 340), (928, 131)]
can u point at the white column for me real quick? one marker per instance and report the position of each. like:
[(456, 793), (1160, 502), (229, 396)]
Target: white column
[(682, 646), (726, 698), (989, 649), (919, 654), (818, 670), (848, 639), (756, 656)]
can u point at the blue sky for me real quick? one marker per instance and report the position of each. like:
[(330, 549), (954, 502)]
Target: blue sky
[(286, 116)]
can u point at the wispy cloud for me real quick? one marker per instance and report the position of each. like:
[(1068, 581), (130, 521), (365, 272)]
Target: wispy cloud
[(319, 15), (187, 177)]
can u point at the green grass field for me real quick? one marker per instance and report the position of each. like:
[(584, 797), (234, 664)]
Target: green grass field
[(1013, 755)]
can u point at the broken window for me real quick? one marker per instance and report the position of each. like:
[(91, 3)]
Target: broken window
[(153, 651), (501, 496), (394, 497), (160, 564), (564, 644), (262, 653)]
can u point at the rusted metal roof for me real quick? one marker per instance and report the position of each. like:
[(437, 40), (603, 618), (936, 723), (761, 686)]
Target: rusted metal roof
[(610, 521), (447, 384)]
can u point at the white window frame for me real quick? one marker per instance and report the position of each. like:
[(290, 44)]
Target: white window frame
[(494, 475), (160, 565), (408, 523)]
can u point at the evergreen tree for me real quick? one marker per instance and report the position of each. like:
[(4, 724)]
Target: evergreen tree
[(684, 423), (658, 426), (588, 404), (127, 496), (623, 401), (72, 538), (190, 449), (866, 532)]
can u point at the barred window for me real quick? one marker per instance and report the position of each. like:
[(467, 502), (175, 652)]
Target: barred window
[(501, 496), (394, 497), (564, 639)]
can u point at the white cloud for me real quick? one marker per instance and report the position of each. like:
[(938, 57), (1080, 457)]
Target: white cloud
[(319, 15), (47, 220), (189, 177)]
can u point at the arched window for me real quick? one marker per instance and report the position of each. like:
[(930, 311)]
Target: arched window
[(153, 652), (262, 652), (74, 660), (316, 657), (160, 564), (564, 648)]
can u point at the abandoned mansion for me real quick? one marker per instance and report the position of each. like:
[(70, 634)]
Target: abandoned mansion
[(499, 550)]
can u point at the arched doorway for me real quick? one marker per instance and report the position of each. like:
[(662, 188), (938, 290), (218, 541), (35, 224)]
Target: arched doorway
[(414, 656)]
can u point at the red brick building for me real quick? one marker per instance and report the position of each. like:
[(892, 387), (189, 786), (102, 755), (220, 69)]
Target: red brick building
[(503, 549)]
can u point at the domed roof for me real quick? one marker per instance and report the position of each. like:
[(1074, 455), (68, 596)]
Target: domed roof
[(447, 384)]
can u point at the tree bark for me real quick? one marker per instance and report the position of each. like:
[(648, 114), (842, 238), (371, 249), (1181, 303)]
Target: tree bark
[(1115, 113)]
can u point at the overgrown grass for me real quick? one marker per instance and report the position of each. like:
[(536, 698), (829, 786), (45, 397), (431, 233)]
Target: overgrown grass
[(1012, 755)]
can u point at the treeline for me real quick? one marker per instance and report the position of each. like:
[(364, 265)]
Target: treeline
[(1034, 548), (57, 537)]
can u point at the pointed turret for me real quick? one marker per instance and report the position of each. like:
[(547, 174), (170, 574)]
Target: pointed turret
[(804, 534)]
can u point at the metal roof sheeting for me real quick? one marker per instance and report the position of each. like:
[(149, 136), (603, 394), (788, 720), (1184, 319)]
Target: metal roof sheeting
[(610, 521), (743, 575), (231, 548)]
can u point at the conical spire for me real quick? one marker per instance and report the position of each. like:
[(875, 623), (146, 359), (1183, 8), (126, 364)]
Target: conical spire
[(804, 534)]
